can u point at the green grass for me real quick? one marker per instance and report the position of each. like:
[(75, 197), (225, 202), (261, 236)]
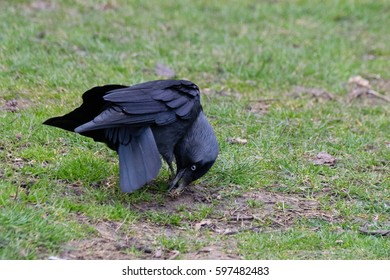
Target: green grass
[(55, 186), (298, 244)]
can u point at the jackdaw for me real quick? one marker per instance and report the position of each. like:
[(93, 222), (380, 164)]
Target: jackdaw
[(142, 121)]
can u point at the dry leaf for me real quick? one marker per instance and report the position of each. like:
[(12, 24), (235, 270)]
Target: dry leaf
[(359, 81), (360, 87)]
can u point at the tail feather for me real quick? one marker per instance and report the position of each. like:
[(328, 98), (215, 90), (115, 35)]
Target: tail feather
[(93, 105), (139, 160)]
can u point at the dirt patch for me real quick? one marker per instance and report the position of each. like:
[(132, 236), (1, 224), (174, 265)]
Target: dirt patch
[(258, 211), (369, 90), (41, 5), (75, 189), (164, 71), (316, 93), (260, 107), (13, 105), (140, 243), (213, 252), (94, 249), (324, 158), (191, 199), (111, 243), (265, 211)]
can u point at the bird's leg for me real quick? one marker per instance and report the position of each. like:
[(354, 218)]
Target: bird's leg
[(171, 169)]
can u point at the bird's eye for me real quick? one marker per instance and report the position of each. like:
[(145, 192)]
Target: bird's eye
[(193, 168)]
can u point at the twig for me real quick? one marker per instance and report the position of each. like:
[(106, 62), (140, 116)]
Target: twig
[(375, 232), (235, 210), (378, 95), (276, 222)]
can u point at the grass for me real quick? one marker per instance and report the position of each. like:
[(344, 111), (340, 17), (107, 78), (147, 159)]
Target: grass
[(57, 187)]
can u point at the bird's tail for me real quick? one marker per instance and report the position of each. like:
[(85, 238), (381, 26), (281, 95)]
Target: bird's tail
[(139, 159), (93, 105)]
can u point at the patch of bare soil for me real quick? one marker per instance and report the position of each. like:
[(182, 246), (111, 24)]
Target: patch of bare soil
[(370, 90), (192, 198), (265, 211), (316, 93), (111, 244), (41, 5), (213, 252), (164, 71), (14, 105), (260, 107), (257, 211), (324, 158), (75, 189), (94, 249)]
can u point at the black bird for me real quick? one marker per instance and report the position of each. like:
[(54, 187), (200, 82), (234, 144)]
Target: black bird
[(142, 121)]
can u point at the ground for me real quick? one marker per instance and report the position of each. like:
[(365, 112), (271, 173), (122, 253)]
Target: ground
[(298, 97), (257, 211)]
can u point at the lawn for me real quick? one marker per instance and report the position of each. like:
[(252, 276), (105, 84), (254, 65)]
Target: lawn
[(298, 93)]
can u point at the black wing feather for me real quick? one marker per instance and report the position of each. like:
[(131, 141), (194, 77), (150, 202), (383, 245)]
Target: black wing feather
[(159, 102), (178, 102)]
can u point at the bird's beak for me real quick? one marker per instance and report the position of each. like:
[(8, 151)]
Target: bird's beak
[(178, 184)]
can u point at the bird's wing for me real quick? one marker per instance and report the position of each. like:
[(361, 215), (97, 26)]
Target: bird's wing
[(157, 102), (139, 159)]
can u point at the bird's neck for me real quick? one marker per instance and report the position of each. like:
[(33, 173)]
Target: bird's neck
[(198, 141)]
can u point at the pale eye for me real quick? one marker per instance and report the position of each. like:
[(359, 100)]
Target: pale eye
[(193, 168)]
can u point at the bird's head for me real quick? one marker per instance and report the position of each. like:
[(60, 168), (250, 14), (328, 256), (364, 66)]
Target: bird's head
[(195, 154)]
